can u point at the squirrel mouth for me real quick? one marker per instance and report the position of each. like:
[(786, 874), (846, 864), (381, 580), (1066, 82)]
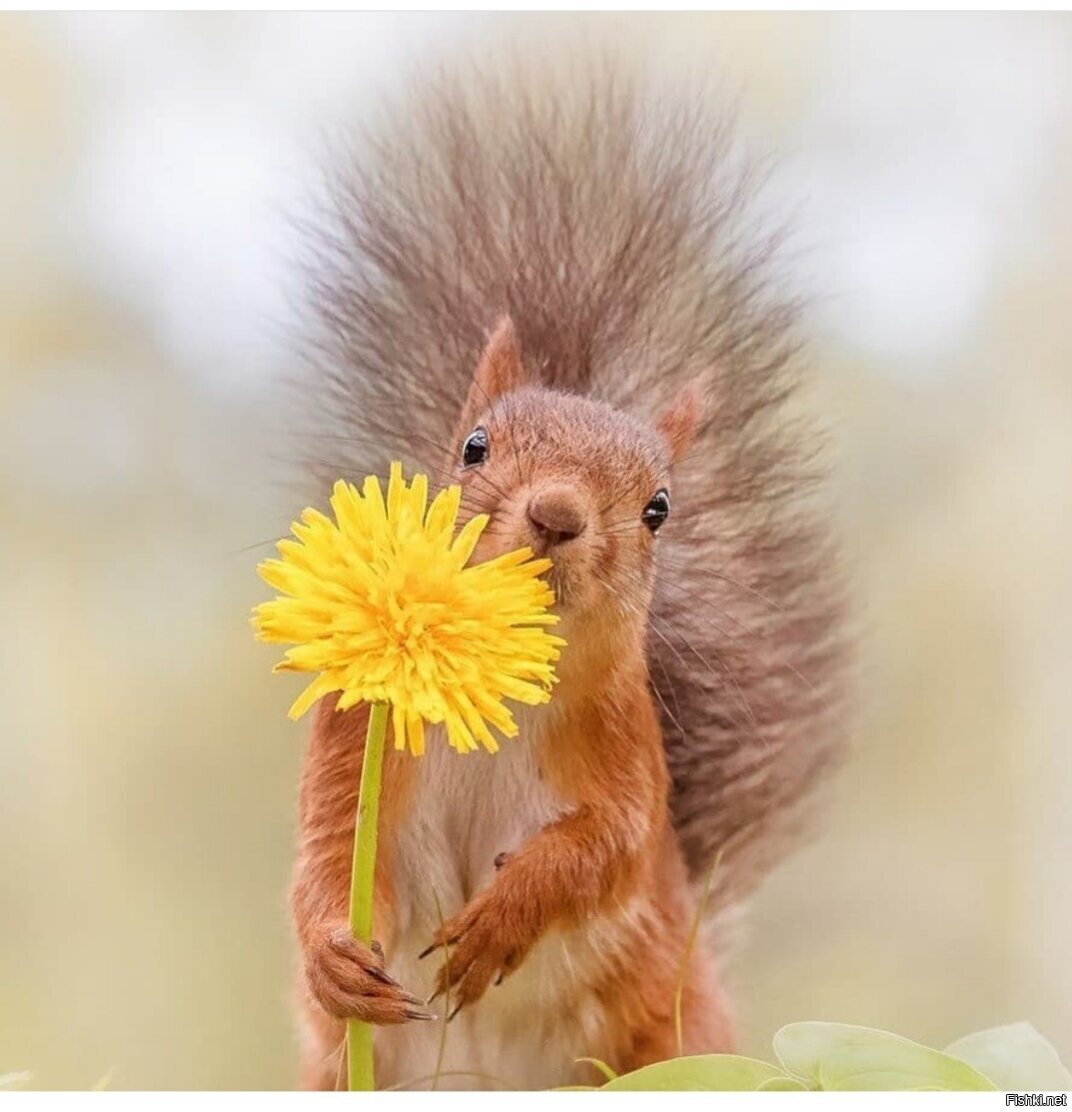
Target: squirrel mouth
[(560, 581)]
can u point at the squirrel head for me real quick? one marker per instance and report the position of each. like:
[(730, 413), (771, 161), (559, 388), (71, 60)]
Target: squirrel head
[(577, 480)]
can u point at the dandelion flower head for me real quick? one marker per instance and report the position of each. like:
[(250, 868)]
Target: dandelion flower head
[(382, 604)]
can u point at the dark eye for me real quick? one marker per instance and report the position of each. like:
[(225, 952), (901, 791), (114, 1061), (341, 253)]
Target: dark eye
[(475, 448), (657, 510)]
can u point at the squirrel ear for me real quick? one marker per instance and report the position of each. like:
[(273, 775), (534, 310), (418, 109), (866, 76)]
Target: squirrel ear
[(678, 424), (499, 371)]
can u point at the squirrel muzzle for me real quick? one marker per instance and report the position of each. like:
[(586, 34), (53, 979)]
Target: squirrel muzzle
[(556, 516)]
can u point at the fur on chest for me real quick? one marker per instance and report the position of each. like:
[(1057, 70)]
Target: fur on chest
[(465, 810), (528, 1031)]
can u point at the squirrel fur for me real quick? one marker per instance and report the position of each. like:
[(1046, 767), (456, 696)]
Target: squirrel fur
[(570, 267)]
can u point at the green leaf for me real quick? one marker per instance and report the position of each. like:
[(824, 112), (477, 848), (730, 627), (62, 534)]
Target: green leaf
[(783, 1084), (726, 1073), (1013, 1057), (837, 1056)]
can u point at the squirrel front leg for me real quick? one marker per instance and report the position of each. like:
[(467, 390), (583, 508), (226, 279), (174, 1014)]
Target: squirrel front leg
[(345, 977), (567, 872)]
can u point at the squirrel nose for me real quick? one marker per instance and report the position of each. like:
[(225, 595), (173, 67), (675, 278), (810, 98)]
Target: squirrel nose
[(557, 515)]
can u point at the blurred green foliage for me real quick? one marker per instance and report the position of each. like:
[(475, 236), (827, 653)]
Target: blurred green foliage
[(842, 1058)]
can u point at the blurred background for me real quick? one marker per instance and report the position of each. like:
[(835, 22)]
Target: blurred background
[(147, 769)]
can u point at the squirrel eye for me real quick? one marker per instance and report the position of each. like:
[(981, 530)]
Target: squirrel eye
[(475, 448), (657, 510)]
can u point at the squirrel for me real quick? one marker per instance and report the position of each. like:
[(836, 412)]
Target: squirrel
[(552, 293)]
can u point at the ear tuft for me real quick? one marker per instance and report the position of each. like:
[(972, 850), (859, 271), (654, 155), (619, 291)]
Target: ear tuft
[(500, 369), (679, 423)]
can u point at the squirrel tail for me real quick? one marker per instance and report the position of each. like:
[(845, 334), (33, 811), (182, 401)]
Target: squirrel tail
[(613, 225)]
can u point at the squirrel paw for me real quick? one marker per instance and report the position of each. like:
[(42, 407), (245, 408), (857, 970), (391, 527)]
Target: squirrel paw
[(481, 943), (347, 979)]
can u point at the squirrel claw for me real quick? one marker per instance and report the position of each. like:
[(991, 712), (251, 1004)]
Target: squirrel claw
[(381, 975), (484, 942), (345, 977), (508, 966), (439, 943)]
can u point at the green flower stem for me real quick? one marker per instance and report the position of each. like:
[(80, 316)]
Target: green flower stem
[(359, 1034)]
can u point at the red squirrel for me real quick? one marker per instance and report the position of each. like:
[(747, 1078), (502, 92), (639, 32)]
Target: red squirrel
[(626, 417)]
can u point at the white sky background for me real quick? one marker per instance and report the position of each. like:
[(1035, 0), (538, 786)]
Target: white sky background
[(205, 143), (914, 157)]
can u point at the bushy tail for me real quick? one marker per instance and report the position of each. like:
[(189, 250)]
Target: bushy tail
[(613, 225)]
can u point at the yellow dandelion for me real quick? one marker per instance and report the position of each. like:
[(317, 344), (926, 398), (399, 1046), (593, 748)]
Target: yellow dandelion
[(381, 604)]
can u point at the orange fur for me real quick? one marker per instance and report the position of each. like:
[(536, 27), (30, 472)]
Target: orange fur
[(616, 843), (615, 229), (612, 216), (598, 749)]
